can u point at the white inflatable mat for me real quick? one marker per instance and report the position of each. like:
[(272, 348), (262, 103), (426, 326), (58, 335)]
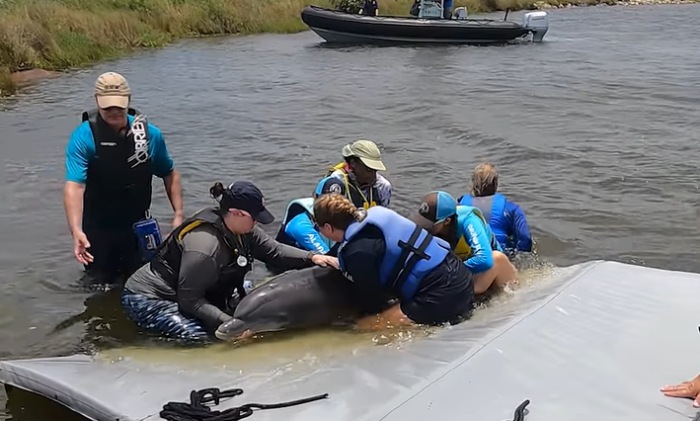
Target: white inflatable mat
[(594, 343)]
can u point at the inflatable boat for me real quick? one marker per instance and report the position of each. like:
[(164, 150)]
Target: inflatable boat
[(589, 342), (340, 27)]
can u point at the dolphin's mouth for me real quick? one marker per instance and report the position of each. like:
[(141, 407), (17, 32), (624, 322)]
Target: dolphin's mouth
[(236, 328)]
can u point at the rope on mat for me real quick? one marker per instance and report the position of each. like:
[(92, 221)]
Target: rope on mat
[(519, 414), (196, 410)]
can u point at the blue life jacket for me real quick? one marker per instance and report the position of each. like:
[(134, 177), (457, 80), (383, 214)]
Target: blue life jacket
[(411, 252), (294, 208), (493, 208)]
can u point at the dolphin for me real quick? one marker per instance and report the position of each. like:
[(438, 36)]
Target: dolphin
[(303, 298)]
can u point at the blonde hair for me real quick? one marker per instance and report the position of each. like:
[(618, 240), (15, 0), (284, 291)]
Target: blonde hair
[(336, 210), (484, 180)]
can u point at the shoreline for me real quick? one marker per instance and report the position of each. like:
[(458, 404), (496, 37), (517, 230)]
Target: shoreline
[(12, 81)]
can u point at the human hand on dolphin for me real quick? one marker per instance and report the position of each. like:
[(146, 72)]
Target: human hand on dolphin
[(325, 261)]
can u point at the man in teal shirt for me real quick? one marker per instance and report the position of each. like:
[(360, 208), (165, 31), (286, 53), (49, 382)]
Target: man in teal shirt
[(111, 158)]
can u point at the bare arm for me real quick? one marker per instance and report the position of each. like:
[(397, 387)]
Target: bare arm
[(73, 205), (174, 190)]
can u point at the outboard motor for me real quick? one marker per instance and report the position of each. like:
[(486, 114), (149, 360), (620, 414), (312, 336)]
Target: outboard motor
[(460, 13), (538, 23)]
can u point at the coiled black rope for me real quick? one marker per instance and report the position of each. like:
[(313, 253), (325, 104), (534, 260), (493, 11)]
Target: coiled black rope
[(195, 410), (519, 414)]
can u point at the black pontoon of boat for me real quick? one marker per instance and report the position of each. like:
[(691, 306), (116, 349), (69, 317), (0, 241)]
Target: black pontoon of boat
[(428, 27)]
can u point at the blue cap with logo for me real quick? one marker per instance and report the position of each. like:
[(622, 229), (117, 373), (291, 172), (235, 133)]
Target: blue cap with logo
[(245, 195), (435, 207), (329, 184)]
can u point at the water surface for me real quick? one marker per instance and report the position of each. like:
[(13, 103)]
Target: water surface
[(593, 133)]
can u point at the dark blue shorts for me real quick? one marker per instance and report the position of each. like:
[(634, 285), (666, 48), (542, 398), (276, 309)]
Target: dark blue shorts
[(162, 316), (446, 295)]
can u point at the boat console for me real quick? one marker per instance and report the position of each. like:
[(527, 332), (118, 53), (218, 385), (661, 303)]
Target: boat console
[(430, 9)]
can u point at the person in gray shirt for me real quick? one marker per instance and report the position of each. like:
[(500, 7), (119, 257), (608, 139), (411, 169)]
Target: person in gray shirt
[(185, 291)]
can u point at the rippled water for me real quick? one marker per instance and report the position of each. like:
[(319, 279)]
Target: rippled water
[(592, 131)]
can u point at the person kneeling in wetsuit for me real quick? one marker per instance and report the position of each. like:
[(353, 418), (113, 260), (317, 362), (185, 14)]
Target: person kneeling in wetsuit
[(506, 218), (186, 291), (471, 238), (383, 252)]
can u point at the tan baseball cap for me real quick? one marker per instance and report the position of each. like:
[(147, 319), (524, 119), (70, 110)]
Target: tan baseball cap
[(367, 151), (112, 90)]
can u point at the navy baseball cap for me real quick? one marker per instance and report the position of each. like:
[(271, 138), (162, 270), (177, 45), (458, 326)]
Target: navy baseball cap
[(329, 185), (246, 196), (435, 207)]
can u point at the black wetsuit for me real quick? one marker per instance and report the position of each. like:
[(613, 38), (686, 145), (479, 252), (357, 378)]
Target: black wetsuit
[(211, 265)]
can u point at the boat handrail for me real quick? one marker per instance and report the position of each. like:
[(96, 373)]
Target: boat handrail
[(384, 17)]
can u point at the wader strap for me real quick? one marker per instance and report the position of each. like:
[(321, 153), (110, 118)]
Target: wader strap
[(403, 266)]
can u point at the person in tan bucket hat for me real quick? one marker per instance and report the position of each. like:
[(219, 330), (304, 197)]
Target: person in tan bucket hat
[(111, 158), (364, 186)]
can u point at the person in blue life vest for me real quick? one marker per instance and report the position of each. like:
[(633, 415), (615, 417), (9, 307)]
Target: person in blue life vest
[(364, 186), (298, 227), (110, 161), (198, 275), (506, 218), (469, 236), (388, 256)]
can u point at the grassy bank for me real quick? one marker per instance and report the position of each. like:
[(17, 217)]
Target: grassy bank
[(64, 34)]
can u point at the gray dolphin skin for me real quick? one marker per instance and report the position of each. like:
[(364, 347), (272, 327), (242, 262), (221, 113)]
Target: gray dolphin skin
[(304, 298)]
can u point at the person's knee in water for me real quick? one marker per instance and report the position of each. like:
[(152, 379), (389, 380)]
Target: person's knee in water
[(506, 218), (470, 237), (110, 160), (384, 253), (364, 186), (203, 263)]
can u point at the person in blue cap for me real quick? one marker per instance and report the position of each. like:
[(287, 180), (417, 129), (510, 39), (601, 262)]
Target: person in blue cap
[(298, 227), (192, 285), (470, 236)]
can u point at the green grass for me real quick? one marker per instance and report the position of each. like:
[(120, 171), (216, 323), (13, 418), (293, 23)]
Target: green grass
[(66, 34)]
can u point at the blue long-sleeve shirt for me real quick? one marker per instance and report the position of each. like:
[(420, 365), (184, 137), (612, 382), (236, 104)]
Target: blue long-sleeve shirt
[(81, 149), (477, 235), (510, 226), (517, 228), (301, 229)]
